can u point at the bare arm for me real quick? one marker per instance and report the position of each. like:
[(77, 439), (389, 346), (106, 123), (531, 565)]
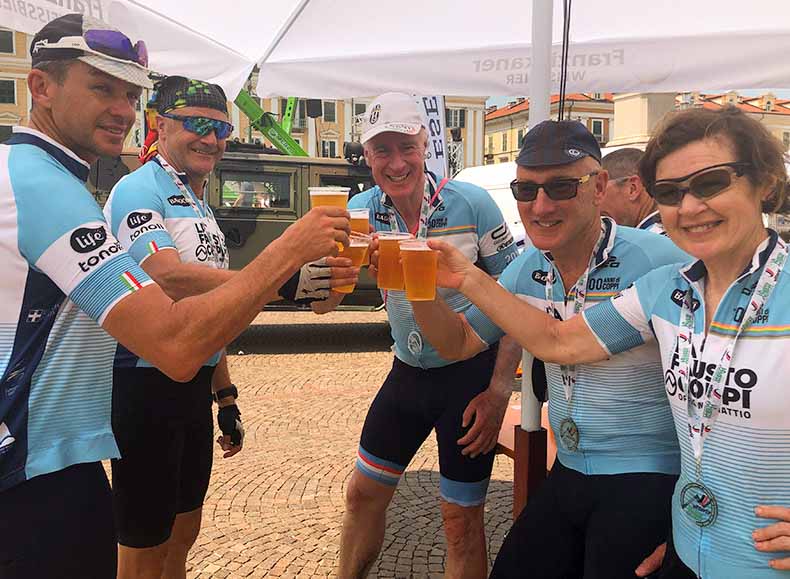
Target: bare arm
[(221, 378), (177, 337), (507, 360), (551, 340), (446, 330), (178, 279)]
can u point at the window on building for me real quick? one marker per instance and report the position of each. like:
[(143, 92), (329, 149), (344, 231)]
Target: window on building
[(6, 41), (328, 148), (329, 112), (504, 141), (360, 108), (520, 137), (455, 118), (7, 92), (490, 144), (5, 133), (298, 120), (596, 128), (786, 139)]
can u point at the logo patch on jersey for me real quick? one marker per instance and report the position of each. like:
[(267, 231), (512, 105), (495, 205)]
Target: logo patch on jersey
[(735, 393), (678, 295), (603, 284), (146, 229), (437, 222), (87, 239), (178, 200), (136, 219), (130, 281), (382, 217), (611, 261), (96, 259), (540, 276)]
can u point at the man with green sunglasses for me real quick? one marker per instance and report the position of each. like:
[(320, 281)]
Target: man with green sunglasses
[(163, 429)]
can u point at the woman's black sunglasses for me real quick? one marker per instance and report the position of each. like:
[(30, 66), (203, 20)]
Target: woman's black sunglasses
[(703, 184), (558, 190)]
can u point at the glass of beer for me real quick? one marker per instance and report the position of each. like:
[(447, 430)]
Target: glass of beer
[(332, 196), (357, 252), (419, 270), (390, 274), (360, 223)]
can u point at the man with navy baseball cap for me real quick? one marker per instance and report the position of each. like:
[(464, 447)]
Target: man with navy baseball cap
[(606, 503)]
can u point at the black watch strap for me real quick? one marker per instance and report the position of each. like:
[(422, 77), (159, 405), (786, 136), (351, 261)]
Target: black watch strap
[(225, 392)]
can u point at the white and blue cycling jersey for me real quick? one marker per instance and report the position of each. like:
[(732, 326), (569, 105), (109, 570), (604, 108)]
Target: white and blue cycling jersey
[(746, 458), (462, 214), (148, 213), (652, 223), (619, 405), (64, 272)]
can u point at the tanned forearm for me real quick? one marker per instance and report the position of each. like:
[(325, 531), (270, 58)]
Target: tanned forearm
[(551, 340), (189, 279), (507, 361), (446, 330)]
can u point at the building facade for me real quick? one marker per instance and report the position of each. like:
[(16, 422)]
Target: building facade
[(506, 126), (14, 66)]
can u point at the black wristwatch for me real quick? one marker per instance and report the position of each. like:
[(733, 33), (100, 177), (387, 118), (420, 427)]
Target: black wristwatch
[(225, 392)]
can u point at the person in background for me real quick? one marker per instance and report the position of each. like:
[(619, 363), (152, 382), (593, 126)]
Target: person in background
[(626, 200)]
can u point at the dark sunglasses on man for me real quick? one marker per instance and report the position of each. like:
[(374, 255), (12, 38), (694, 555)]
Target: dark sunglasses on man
[(102, 42), (703, 184), (203, 125), (557, 190)]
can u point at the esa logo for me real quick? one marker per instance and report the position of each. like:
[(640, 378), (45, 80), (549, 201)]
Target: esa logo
[(178, 200), (540, 276), (137, 219), (678, 295), (86, 239)]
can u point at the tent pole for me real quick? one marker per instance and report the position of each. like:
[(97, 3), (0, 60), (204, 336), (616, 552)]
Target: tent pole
[(539, 103), (540, 75)]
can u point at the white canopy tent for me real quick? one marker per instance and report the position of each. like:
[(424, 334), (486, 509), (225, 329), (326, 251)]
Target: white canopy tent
[(323, 48)]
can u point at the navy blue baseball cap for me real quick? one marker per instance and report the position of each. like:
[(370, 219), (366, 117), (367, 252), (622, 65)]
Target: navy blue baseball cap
[(557, 143)]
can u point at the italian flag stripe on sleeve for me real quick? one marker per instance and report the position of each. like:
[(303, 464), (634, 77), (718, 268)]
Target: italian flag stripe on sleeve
[(152, 247), (130, 281)]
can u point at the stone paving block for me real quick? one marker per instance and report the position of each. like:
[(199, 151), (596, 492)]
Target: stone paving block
[(276, 508)]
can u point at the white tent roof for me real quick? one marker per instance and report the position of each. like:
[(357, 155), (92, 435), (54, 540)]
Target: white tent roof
[(460, 47)]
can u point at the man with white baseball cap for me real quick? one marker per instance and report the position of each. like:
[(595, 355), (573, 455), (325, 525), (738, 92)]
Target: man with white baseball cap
[(424, 392), (70, 290)]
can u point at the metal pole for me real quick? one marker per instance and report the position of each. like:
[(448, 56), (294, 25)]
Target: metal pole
[(539, 108)]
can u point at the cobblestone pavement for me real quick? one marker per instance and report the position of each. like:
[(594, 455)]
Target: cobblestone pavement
[(275, 509)]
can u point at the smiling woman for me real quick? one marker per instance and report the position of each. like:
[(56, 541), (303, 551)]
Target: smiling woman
[(723, 327)]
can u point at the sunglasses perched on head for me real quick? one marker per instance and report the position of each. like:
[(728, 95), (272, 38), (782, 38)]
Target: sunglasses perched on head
[(103, 42), (203, 125), (703, 184), (557, 190)]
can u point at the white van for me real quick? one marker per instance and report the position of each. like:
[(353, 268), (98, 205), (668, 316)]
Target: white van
[(496, 180)]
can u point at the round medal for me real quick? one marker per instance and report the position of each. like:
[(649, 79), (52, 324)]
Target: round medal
[(414, 342), (699, 504), (569, 435)]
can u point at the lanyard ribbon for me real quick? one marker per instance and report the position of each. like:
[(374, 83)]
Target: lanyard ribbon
[(700, 423), (580, 294), (420, 231), (206, 217)]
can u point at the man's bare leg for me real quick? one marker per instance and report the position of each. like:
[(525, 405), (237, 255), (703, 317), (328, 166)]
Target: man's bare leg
[(364, 523), (185, 532), (466, 542)]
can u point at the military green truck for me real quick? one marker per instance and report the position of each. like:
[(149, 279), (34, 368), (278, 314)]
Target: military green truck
[(256, 194)]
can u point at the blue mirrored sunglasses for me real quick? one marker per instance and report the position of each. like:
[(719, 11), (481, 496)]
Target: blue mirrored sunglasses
[(203, 125)]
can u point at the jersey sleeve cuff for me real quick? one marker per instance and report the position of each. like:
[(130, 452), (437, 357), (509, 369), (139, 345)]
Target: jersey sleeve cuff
[(149, 244), (612, 331), (482, 326)]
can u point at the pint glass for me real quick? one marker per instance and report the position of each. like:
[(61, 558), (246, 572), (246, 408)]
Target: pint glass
[(419, 270), (360, 223), (390, 274), (332, 196), (357, 252)]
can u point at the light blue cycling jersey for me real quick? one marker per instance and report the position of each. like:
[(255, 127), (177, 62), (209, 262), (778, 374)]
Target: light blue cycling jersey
[(461, 214), (746, 458), (148, 213), (64, 272), (619, 405), (652, 223)]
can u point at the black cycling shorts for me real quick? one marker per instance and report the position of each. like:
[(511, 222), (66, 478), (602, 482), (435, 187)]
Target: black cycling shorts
[(590, 526), (165, 432), (58, 526), (413, 401)]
